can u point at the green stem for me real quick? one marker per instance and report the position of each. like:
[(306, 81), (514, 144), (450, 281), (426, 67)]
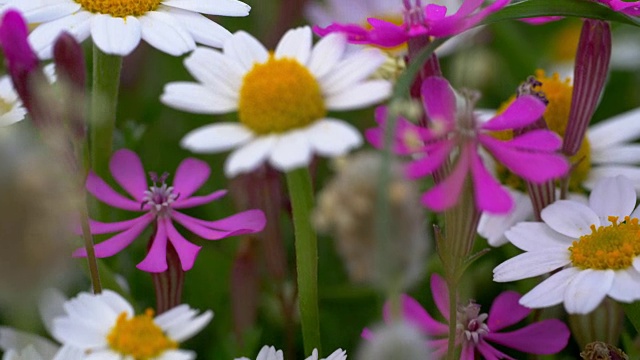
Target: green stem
[(301, 194), (453, 322), (104, 101)]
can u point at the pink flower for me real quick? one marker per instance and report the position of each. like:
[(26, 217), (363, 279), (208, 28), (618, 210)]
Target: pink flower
[(432, 20), (160, 204), (531, 156), (476, 332), (631, 8)]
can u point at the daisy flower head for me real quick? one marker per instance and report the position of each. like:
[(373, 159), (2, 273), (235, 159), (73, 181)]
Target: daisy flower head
[(594, 245), (270, 353), (117, 26), (105, 327), (476, 332), (160, 204), (418, 21), (458, 131), (281, 97)]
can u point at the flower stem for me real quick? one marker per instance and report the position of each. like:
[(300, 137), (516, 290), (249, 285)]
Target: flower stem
[(104, 101), (301, 193), (453, 322)]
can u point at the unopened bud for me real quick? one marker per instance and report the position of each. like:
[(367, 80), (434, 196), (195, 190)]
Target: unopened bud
[(602, 351)]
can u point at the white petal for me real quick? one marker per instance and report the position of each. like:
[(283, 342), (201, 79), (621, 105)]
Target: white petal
[(106, 355), (250, 156), (360, 95), (296, 44), (550, 292), (115, 35), (597, 173), (78, 334), (196, 98), (43, 36), (45, 10), (245, 50), (536, 236), (626, 286), (163, 32), (636, 264), (218, 7), (586, 290), (116, 302), (531, 264), (616, 130), (176, 315), (314, 355), (570, 218), (176, 354), (18, 340), (493, 227), (351, 71), (212, 68), (51, 306), (216, 138), (292, 151), (626, 154), (613, 196), (203, 30), (332, 137), (185, 330), (18, 113), (68, 352), (326, 54)]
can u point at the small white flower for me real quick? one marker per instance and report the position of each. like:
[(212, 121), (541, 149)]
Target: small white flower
[(105, 326), (595, 247), (281, 97), (11, 110), (270, 353), (117, 26)]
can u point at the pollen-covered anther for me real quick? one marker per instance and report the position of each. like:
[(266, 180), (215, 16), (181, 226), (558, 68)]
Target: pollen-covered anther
[(608, 247), (119, 8)]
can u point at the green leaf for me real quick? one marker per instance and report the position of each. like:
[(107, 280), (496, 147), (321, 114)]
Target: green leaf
[(632, 311), (573, 8)]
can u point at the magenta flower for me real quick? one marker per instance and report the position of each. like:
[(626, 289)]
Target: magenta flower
[(531, 156), (432, 20), (476, 331), (631, 8), (160, 204)]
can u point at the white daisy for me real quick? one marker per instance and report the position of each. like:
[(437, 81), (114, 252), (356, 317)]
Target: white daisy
[(11, 110), (105, 327), (270, 353), (282, 98), (595, 247), (116, 26)]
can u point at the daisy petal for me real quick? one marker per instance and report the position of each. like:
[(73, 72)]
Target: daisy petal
[(351, 71), (127, 170), (14, 339), (219, 7), (212, 68), (627, 154), (616, 130), (165, 33), (295, 44), (358, 96), (190, 176), (333, 137), (202, 29), (626, 286), (196, 98), (45, 10), (586, 290), (549, 292), (604, 171), (116, 35), (493, 227), (216, 138), (43, 37), (326, 54), (291, 151), (184, 331), (78, 334), (249, 156), (614, 196), (245, 50), (536, 236), (570, 218), (531, 264)]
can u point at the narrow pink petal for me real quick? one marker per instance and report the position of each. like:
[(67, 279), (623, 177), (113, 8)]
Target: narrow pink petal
[(467, 7), (385, 34), (187, 251), (489, 194), (117, 242), (430, 162), (415, 314), (439, 100), (522, 112), (126, 168), (540, 140), (445, 195), (488, 352), (245, 222), (156, 259), (204, 232), (98, 227), (468, 351), (536, 167), (543, 338), (190, 176), (404, 131), (435, 12), (506, 311), (198, 200), (103, 192), (440, 293)]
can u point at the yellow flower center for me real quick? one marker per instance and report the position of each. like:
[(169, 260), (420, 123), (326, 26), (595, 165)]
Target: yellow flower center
[(119, 8), (279, 95), (139, 337), (608, 247)]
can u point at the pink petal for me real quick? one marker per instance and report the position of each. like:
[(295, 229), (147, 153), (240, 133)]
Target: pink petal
[(431, 162), (204, 232), (156, 259), (468, 351), (445, 194), (103, 192), (467, 7), (245, 222), (490, 195), (542, 338), (541, 20), (439, 100), (404, 130), (536, 167), (98, 227), (385, 34), (435, 12), (116, 243), (126, 168), (440, 293), (415, 314), (488, 352), (506, 311), (522, 112), (190, 176), (366, 334), (198, 200), (539, 140), (187, 251)]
